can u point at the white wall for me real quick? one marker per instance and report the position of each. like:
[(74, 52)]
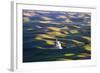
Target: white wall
[(5, 34)]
